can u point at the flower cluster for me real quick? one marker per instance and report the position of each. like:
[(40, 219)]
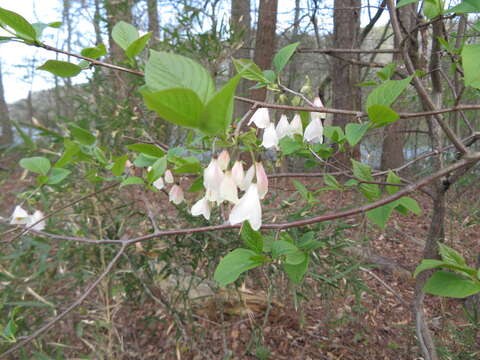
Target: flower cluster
[(21, 217), (273, 134), (175, 195), (223, 185)]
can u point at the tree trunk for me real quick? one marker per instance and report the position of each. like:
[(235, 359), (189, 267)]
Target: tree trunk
[(241, 25), (153, 24), (346, 31), (394, 135), (7, 133), (265, 40)]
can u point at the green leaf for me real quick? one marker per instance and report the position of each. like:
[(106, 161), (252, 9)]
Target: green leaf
[(448, 284), (410, 204), (132, 180), (81, 135), (270, 76), (331, 182), (36, 164), (158, 169), (297, 272), (387, 71), (449, 255), (197, 185), (119, 165), (149, 149), (290, 145), (188, 164), (387, 92), (234, 264), (247, 69), (251, 238), (124, 34), (465, 7), (301, 189), (470, 56), (282, 57), (144, 160), (364, 172), (218, 112), (16, 23), (26, 139), (57, 175), (138, 45), (61, 68), (71, 149), (94, 52), (432, 8), (165, 71), (379, 216), (354, 132), (393, 179), (179, 106), (405, 2), (282, 247), (295, 257), (381, 115), (334, 133), (428, 264)]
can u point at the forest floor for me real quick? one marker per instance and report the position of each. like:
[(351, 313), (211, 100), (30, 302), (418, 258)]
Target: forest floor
[(368, 317)]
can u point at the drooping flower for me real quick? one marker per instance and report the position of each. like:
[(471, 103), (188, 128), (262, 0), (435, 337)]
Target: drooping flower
[(247, 180), (176, 195), (296, 126), (260, 118), (314, 131), (37, 215), (201, 207), (212, 176), (317, 115), (19, 216), (228, 189), (223, 160), (168, 177), (248, 208), (237, 173), (159, 184), (262, 180), (283, 127), (270, 138)]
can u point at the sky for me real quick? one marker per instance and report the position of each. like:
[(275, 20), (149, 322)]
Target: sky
[(19, 61)]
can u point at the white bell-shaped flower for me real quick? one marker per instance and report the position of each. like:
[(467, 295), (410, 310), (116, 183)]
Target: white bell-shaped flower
[(212, 176), (223, 160), (228, 189), (262, 180), (270, 138), (283, 127), (37, 215), (296, 126), (248, 208), (314, 131), (317, 115), (176, 195), (260, 118), (19, 216), (201, 207), (168, 177), (237, 173), (247, 180), (159, 184)]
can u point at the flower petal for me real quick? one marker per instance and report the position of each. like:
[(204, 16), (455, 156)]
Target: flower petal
[(176, 195), (248, 208), (270, 138), (296, 126), (283, 127), (247, 180), (223, 160), (260, 118), (237, 173), (314, 131), (168, 177), (228, 189), (37, 215), (262, 180), (19, 216), (212, 176), (201, 207), (318, 103), (159, 184)]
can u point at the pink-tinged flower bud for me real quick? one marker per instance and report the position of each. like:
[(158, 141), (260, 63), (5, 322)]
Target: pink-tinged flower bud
[(159, 184), (223, 160), (262, 180), (201, 207), (37, 215), (283, 127), (314, 131), (318, 103), (176, 195), (212, 176), (228, 189), (260, 118), (237, 173), (19, 216), (168, 177), (296, 126), (270, 138), (247, 180), (248, 208)]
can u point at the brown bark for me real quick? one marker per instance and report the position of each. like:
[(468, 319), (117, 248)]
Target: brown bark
[(7, 133), (346, 31), (241, 25), (153, 24), (394, 135), (265, 40)]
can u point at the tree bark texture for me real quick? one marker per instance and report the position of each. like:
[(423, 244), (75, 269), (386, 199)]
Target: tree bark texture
[(7, 133), (153, 23)]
